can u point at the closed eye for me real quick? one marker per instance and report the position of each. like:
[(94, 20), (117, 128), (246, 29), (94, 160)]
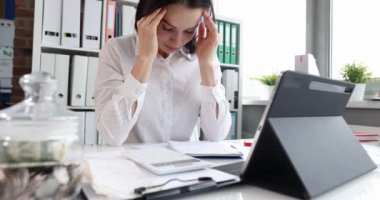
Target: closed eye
[(167, 28), (190, 32)]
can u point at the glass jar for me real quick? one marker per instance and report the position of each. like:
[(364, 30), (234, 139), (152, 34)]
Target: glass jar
[(37, 130)]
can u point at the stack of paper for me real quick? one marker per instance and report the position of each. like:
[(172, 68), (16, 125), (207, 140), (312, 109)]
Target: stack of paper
[(205, 149)]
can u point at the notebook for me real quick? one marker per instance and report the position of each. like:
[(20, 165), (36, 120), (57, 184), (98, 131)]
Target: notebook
[(205, 149), (163, 161)]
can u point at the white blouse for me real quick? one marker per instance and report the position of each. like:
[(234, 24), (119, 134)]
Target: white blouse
[(168, 106)]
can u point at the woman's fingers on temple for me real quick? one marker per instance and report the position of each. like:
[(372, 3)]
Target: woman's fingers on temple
[(201, 31), (159, 17), (156, 14), (209, 23)]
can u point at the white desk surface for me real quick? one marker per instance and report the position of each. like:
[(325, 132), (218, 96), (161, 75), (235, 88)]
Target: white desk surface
[(366, 187)]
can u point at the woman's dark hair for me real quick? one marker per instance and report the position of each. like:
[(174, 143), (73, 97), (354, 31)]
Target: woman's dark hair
[(146, 7)]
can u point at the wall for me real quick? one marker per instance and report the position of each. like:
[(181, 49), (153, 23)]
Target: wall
[(23, 43)]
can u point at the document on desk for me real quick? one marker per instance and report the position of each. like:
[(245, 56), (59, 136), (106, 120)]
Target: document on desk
[(373, 152), (205, 149), (117, 178)]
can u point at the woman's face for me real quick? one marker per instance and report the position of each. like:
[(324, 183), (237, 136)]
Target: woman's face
[(177, 27)]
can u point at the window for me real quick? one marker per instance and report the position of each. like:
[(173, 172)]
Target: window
[(273, 32), (355, 37)]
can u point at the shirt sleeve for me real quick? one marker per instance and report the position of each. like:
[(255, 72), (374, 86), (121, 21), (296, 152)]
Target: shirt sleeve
[(215, 126), (115, 94)]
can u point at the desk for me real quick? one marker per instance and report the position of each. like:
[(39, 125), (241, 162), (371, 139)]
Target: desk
[(365, 187)]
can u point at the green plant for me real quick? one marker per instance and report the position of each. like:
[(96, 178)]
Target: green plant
[(356, 73), (268, 79)]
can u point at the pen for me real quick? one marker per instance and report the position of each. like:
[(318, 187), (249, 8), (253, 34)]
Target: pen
[(164, 194)]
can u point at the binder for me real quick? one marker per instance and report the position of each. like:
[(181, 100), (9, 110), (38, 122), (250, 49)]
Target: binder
[(234, 42), (71, 23), (110, 19), (217, 27), (230, 82), (227, 43), (7, 32), (51, 25), (128, 19), (48, 63), (92, 24), (10, 9), (221, 42), (78, 80), (81, 133), (118, 22), (5, 83), (92, 69), (62, 64), (6, 53), (232, 133), (90, 134), (6, 68)]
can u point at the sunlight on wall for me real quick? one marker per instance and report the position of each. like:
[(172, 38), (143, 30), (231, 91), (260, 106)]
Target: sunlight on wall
[(272, 33)]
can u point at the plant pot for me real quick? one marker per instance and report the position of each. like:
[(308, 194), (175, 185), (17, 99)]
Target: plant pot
[(267, 92), (358, 93)]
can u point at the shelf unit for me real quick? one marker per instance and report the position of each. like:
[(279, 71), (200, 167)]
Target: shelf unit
[(86, 113), (38, 48), (236, 67)]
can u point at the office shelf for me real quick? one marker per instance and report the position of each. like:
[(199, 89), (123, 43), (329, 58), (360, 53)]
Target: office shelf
[(69, 50), (127, 2), (229, 66)]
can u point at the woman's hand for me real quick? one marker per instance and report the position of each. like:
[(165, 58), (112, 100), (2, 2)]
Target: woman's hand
[(208, 40), (148, 44), (147, 33)]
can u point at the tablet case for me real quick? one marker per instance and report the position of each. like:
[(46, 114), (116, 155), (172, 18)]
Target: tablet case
[(305, 147)]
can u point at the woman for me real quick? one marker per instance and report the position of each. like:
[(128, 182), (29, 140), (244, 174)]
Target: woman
[(153, 86)]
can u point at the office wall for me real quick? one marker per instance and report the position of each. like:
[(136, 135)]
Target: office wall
[(356, 116), (23, 43)]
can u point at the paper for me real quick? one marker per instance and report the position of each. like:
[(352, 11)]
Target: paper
[(117, 177), (205, 149), (373, 152)]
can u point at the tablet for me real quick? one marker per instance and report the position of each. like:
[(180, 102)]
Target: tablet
[(303, 146)]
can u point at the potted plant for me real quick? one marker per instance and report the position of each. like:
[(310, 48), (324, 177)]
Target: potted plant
[(268, 81), (358, 74)]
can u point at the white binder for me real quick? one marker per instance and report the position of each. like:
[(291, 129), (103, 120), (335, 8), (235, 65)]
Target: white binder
[(71, 23), (7, 32), (128, 19), (6, 68), (5, 82), (90, 136), (51, 25), (82, 118), (92, 24), (62, 63), (93, 64), (78, 80), (48, 63), (230, 82)]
